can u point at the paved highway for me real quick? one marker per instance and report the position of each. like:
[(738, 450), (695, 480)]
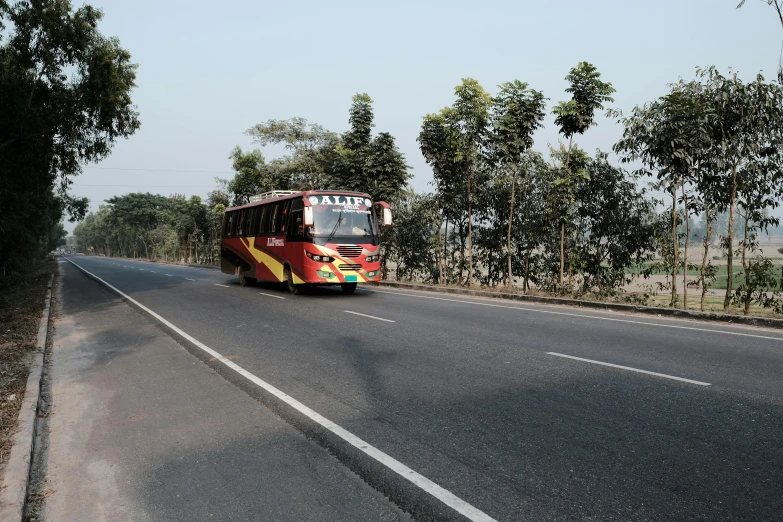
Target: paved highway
[(519, 412)]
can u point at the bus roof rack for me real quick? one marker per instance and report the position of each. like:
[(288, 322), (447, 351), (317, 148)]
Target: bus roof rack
[(273, 194)]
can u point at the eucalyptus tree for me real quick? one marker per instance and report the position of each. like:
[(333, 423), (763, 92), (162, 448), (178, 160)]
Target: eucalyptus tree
[(517, 112), (438, 146), (309, 145), (469, 118), (671, 136), (747, 132), (588, 94)]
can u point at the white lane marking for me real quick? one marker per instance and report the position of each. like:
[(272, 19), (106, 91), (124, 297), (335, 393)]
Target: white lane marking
[(699, 383), (189, 279), (141, 269), (167, 275), (224, 286), (586, 316), (153, 272), (370, 316), (272, 295), (445, 496)]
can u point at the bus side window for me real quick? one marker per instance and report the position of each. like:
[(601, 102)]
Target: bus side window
[(232, 224), (260, 219), (295, 225), (283, 216), (251, 214)]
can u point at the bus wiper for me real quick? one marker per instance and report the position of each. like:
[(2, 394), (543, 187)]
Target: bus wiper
[(336, 225)]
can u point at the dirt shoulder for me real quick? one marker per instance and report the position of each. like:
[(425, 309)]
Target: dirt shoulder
[(21, 304)]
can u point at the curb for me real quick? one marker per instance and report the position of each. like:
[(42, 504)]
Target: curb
[(17, 472), (577, 303)]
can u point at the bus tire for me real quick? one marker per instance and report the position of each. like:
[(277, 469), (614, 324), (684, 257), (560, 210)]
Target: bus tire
[(348, 288), (246, 281), (289, 278)]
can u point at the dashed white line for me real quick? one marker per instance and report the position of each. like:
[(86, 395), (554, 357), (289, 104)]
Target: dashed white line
[(224, 286), (272, 295), (189, 279), (447, 497), (370, 316), (699, 383), (153, 272), (167, 275), (553, 312)]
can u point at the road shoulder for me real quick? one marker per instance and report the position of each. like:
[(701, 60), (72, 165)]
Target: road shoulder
[(142, 430)]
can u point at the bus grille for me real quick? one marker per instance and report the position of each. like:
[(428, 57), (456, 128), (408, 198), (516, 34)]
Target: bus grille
[(349, 251), (350, 267)]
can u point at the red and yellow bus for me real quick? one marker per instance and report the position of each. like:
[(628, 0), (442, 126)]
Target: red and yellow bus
[(317, 237)]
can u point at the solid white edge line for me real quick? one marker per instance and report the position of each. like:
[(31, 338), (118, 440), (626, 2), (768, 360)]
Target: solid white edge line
[(272, 295), (445, 496), (584, 316), (224, 286), (370, 316), (699, 383)]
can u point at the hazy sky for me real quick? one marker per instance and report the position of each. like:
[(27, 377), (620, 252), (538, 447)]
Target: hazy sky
[(210, 70)]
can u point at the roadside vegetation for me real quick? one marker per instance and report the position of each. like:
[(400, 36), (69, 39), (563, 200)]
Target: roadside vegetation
[(697, 169), (21, 302)]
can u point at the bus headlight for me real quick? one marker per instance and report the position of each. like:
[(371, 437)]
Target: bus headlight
[(319, 258), (372, 259)]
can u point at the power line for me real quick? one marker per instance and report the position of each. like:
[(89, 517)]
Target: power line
[(162, 170), (76, 185)]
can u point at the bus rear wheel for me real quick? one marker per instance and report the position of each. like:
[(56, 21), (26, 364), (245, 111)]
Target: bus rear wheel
[(246, 281), (289, 278), (348, 288)]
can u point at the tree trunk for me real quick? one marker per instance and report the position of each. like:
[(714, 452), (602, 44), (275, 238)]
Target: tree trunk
[(745, 266), (470, 236), (510, 220), (675, 257), (461, 255), (708, 220), (439, 252), (446, 252), (526, 284), (685, 254), (730, 244), (562, 244)]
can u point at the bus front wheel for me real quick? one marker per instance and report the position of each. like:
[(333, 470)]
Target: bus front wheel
[(348, 288), (289, 278)]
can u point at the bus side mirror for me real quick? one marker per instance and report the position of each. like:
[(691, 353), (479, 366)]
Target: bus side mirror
[(308, 216), (387, 217)]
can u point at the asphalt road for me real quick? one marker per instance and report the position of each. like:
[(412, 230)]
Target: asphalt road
[(512, 408)]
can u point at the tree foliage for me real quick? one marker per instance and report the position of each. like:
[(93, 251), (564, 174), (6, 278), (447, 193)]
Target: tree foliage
[(65, 97)]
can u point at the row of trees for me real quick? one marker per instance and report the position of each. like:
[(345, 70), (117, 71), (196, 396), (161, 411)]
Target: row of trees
[(65, 99), (573, 223)]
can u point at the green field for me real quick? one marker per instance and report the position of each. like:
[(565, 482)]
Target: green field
[(720, 280)]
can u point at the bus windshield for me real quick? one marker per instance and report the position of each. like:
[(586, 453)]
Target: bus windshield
[(340, 216)]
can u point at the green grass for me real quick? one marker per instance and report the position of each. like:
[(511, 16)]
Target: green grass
[(721, 277)]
